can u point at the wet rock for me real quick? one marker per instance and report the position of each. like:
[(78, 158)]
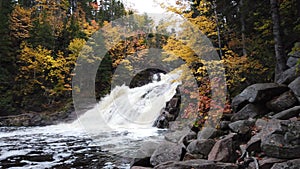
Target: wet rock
[(202, 147), (39, 157), (196, 164), (167, 152), (283, 102), (294, 86), (141, 162), (161, 121), (242, 126), (257, 93), (139, 167), (287, 114), (292, 61), (224, 150), (283, 143), (250, 111), (288, 75), (169, 113), (292, 164)]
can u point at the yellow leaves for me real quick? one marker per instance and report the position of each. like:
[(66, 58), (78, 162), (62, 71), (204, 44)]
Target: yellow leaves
[(39, 68), (238, 67), (76, 45), (20, 22)]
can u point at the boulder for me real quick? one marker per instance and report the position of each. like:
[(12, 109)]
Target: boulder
[(167, 152), (283, 102), (168, 114), (292, 164), (224, 125), (283, 143), (141, 162), (196, 164), (294, 86), (188, 138), (202, 147), (266, 163), (189, 156), (257, 93), (176, 136), (224, 150), (208, 133), (242, 126), (264, 127), (139, 167), (250, 111), (288, 75), (287, 114), (292, 61)]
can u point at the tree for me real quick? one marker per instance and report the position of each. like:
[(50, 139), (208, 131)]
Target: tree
[(7, 60), (41, 76), (279, 49), (20, 24)]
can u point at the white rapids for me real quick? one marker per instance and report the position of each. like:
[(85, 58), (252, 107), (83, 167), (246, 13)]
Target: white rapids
[(121, 123)]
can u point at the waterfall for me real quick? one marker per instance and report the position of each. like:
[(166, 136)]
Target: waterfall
[(136, 108)]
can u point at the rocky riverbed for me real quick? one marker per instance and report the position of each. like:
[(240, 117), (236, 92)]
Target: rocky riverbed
[(262, 133)]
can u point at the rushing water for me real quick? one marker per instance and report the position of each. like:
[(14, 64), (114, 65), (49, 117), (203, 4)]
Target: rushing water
[(119, 126)]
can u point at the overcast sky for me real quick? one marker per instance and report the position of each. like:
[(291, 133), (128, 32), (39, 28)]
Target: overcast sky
[(148, 6)]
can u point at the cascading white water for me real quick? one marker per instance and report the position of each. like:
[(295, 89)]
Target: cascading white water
[(131, 108), (120, 123)]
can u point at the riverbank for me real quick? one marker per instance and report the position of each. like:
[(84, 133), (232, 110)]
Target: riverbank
[(263, 132), (61, 113)]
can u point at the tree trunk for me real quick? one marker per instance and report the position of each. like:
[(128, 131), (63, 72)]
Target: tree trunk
[(218, 28), (242, 8), (279, 50)]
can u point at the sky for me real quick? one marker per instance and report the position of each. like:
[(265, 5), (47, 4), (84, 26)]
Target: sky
[(148, 6)]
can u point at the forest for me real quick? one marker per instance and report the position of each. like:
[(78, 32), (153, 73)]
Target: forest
[(100, 84), (41, 40)]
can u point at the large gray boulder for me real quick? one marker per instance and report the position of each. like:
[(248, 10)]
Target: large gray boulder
[(167, 152), (264, 128), (188, 138), (202, 147), (257, 93), (292, 164), (282, 102), (208, 133), (196, 164), (249, 111), (292, 61), (289, 75), (266, 163), (283, 143), (295, 87), (242, 126), (287, 114), (224, 150)]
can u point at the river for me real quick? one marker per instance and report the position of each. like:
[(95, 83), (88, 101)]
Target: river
[(109, 135)]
